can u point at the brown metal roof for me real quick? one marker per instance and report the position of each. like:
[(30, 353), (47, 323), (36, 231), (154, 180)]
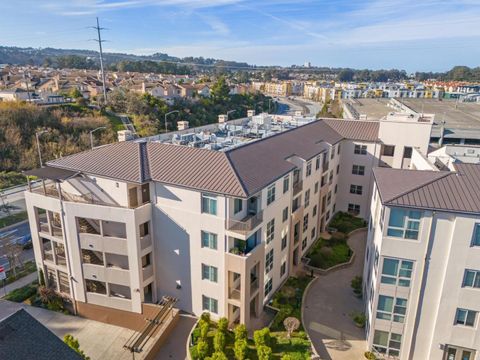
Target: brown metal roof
[(355, 129), (118, 160), (239, 172), (457, 191), (261, 162)]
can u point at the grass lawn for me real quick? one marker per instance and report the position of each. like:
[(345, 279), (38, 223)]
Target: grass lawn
[(346, 223), (116, 122), (327, 253), (298, 345), (13, 219), (288, 300)]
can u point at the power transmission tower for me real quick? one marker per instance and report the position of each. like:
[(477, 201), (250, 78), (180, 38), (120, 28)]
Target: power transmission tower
[(100, 41)]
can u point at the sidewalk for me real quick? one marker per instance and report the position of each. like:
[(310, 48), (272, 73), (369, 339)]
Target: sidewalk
[(19, 283)]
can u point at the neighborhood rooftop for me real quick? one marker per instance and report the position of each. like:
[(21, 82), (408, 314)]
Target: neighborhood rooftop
[(239, 171)]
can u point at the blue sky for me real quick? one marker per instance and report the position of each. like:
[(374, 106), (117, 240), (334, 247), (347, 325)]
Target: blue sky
[(407, 34)]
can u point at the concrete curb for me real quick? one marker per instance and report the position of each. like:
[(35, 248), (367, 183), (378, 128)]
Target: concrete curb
[(314, 351), (8, 227), (189, 357)]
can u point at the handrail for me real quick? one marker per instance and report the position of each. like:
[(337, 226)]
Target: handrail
[(246, 224)]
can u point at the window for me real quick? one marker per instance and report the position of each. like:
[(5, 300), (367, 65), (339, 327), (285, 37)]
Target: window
[(305, 222), (209, 240), (329, 198), (268, 287), (307, 197), (338, 149), (283, 268), (330, 178), (404, 223), (389, 308), (332, 153), (316, 188), (354, 209), (209, 273), (309, 168), (312, 234), (209, 204), (271, 194), (237, 205), (270, 230), (356, 189), (465, 317), (284, 242), (388, 150), (296, 232), (317, 163), (396, 272), (360, 149), (407, 152), (358, 170), (314, 213), (338, 169), (471, 279), (336, 188), (387, 343), (304, 243), (209, 304), (285, 214), (269, 261), (476, 235), (286, 183), (296, 203)]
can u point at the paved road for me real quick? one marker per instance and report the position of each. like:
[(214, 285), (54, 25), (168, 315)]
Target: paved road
[(328, 305)]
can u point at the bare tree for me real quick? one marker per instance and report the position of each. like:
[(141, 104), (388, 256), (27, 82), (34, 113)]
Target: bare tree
[(291, 324), (12, 250)]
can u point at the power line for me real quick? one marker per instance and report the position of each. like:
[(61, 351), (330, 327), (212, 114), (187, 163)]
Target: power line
[(100, 41)]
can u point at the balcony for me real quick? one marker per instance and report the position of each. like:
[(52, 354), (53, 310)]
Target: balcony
[(253, 285), (243, 247), (147, 272), (325, 166), (297, 187), (234, 294), (247, 224), (145, 242)]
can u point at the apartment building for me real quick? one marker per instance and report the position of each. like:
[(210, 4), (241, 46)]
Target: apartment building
[(124, 224), (422, 265)]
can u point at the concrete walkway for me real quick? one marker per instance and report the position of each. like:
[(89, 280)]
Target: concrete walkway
[(175, 345), (28, 279), (328, 305)]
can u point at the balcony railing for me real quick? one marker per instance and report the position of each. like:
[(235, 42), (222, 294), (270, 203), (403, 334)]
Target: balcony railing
[(253, 285), (246, 224), (297, 187)]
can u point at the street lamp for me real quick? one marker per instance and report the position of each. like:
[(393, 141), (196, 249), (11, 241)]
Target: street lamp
[(91, 134), (230, 111), (37, 135), (168, 113)]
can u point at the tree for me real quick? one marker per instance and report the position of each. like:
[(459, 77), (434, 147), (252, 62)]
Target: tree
[(264, 352), (220, 90), (240, 332), (218, 355), (262, 337), (240, 349), (222, 324), (345, 75), (219, 341), (291, 324), (202, 349), (204, 328), (75, 345), (74, 93)]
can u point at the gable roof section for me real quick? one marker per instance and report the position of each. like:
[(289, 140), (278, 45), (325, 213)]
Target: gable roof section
[(457, 191), (118, 160), (355, 129), (261, 162), (22, 337), (195, 168)]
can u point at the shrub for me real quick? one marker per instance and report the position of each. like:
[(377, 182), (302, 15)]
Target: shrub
[(262, 337), (326, 251), (223, 324), (356, 285), (296, 356), (204, 328), (22, 294), (75, 345), (240, 332), (202, 349), (205, 317), (359, 319), (370, 355), (264, 352), (219, 341), (240, 349)]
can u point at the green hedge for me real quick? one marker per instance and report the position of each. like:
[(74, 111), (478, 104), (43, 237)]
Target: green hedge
[(23, 293)]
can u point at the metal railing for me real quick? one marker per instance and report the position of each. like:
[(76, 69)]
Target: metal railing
[(246, 224)]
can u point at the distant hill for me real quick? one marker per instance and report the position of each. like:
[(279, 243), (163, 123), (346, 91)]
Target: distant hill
[(40, 56)]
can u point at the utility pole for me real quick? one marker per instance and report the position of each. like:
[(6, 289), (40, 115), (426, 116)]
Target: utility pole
[(100, 41)]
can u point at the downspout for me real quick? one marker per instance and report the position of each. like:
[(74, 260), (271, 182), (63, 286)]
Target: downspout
[(67, 251)]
